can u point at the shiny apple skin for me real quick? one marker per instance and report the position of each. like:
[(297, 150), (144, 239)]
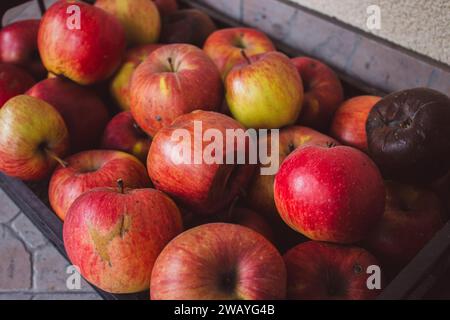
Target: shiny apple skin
[(260, 193), (13, 82), (349, 122), (86, 56), (174, 80), (332, 194), (225, 45), (93, 169), (123, 134), (203, 188), (323, 271), (265, 92), (18, 45), (323, 93), (219, 262), (83, 112), (32, 133), (115, 237)]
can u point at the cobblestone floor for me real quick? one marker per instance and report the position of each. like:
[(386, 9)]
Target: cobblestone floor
[(30, 267)]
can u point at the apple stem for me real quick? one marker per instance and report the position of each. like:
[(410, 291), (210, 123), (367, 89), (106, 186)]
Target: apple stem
[(244, 54), (120, 185), (55, 157), (172, 68), (331, 144)]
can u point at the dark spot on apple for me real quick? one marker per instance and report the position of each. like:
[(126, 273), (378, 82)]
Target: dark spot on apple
[(158, 118), (291, 147), (331, 144), (227, 281), (408, 135), (357, 268)]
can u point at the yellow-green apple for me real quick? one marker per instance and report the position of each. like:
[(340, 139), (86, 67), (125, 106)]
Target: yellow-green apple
[(87, 170), (219, 261), (83, 112), (265, 91), (85, 45), (225, 47), (123, 134), (349, 121), (114, 236), (187, 26), (13, 82), (407, 135), (333, 194), (18, 45), (193, 173), (166, 7), (120, 84), (140, 19), (175, 79), (33, 138), (260, 193), (324, 271), (323, 92), (411, 218)]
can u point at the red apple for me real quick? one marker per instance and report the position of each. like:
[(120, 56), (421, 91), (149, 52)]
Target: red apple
[(323, 92), (349, 122), (166, 7), (187, 26), (120, 84), (85, 46), (201, 186), (260, 194), (93, 169), (140, 19), (174, 80), (442, 188), (13, 82), (265, 91), (224, 46), (122, 133), (411, 218), (322, 271), (18, 45), (33, 136), (84, 113), (252, 220), (114, 236), (219, 262), (333, 194)]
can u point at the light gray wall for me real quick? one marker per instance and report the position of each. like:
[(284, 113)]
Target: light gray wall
[(420, 25)]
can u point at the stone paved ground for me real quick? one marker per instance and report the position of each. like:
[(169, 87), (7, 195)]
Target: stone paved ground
[(30, 267)]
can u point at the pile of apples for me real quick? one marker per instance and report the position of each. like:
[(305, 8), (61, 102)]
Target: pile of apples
[(361, 181)]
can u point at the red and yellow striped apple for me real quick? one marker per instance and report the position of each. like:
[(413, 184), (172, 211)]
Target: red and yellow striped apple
[(114, 236), (140, 19), (93, 169), (265, 91), (85, 46), (225, 47), (33, 136), (219, 261), (174, 80)]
